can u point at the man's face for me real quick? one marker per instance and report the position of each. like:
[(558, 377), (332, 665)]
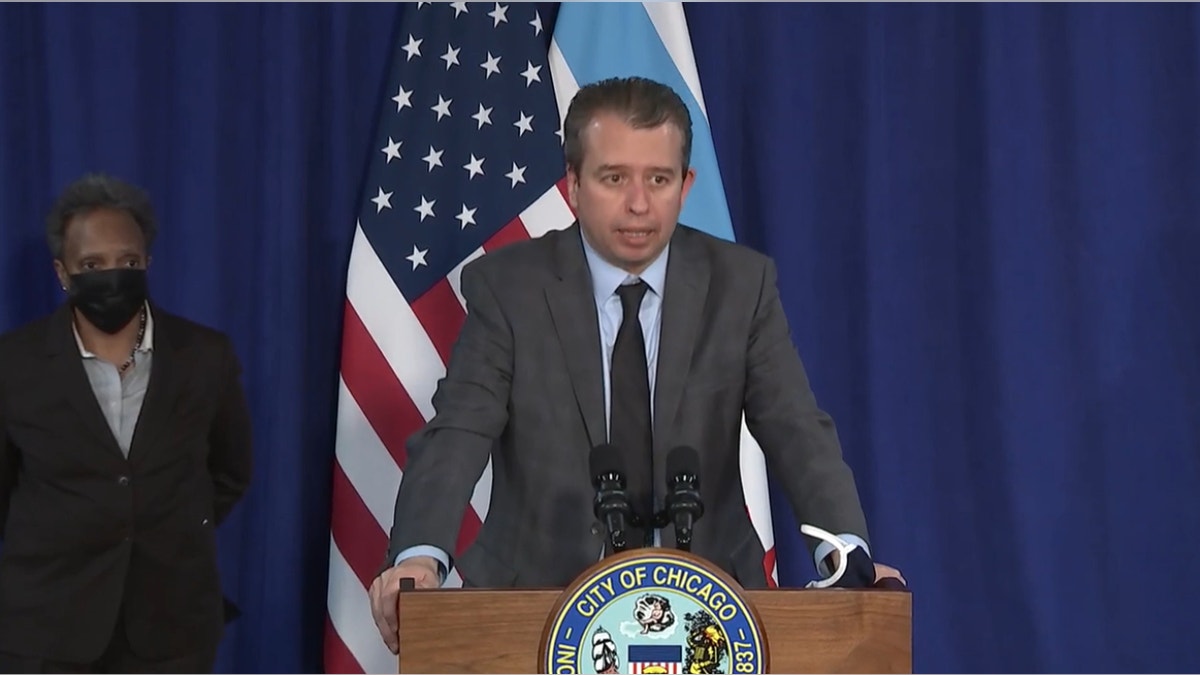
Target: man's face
[(101, 239), (629, 189)]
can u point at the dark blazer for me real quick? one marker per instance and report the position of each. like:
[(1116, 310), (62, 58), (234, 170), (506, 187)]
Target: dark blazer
[(85, 530), (524, 386)]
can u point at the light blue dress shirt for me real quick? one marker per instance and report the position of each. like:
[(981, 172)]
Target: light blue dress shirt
[(120, 398), (606, 277)]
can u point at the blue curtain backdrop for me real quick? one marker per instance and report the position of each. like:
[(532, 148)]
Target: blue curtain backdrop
[(986, 219)]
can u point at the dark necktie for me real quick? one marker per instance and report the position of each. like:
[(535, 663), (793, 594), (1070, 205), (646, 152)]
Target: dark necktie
[(629, 408)]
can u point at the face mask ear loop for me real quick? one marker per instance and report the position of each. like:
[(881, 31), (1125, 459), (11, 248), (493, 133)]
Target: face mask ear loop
[(838, 543)]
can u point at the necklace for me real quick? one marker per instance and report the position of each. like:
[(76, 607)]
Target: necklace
[(136, 343)]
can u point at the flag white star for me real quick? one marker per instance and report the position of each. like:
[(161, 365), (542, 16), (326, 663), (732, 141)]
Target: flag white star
[(498, 14), (524, 124), (531, 73), (492, 65), (383, 200), (467, 217), (422, 4), (392, 149), (434, 158), (561, 139), (425, 208), (459, 8), (413, 48), (402, 98), (418, 257), (451, 56), (484, 116), (536, 23), (517, 175), (475, 166), (442, 108)]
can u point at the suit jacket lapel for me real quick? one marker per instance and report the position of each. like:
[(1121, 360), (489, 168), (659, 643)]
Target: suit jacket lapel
[(683, 308), (66, 368), (161, 391), (575, 321)]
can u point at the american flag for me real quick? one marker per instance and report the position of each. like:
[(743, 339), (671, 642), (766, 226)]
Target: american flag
[(467, 157)]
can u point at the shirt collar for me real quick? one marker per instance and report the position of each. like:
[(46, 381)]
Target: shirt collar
[(146, 345), (606, 276)]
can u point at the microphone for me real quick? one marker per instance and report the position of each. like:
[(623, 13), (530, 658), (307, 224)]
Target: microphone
[(683, 503), (611, 504)]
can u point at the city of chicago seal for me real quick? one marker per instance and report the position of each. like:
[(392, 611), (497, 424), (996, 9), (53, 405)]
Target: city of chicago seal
[(653, 611)]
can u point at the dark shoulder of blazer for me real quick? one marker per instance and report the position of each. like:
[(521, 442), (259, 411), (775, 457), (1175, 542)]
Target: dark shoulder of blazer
[(185, 333), (29, 338), (21, 347), (723, 254)]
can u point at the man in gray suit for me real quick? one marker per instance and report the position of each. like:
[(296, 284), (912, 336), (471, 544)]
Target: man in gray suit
[(542, 370)]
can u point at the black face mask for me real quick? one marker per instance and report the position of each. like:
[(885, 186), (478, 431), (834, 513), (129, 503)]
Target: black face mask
[(109, 298)]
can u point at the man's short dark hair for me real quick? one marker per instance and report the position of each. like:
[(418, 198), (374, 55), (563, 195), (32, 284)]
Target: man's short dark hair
[(643, 103), (95, 191)]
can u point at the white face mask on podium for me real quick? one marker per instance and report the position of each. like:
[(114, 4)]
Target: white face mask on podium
[(840, 545)]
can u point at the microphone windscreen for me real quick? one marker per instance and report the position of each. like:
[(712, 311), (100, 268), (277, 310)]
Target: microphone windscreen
[(682, 459), (604, 459)]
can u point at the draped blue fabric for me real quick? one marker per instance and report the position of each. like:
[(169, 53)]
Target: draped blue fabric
[(987, 223)]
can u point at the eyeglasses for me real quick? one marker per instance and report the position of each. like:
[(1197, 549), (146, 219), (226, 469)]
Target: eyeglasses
[(840, 545)]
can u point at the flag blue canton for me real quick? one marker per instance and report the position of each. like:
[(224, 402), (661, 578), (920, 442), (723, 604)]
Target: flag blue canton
[(467, 140)]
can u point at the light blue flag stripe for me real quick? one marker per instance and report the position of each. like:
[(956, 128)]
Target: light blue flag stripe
[(601, 40)]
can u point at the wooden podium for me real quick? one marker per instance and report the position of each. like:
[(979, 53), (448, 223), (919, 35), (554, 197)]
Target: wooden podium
[(508, 631)]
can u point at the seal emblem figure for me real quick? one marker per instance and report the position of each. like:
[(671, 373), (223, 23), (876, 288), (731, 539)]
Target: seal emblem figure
[(653, 611)]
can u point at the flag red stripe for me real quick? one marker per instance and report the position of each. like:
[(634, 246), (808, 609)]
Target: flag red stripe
[(514, 231), (769, 566), (442, 317), (360, 539), (467, 531), (338, 657), (383, 400)]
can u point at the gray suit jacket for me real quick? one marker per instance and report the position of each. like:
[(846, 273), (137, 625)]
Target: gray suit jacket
[(524, 386)]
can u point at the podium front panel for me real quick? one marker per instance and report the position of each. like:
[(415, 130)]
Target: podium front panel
[(809, 631)]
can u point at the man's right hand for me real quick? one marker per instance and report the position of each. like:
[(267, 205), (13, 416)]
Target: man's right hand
[(423, 570)]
